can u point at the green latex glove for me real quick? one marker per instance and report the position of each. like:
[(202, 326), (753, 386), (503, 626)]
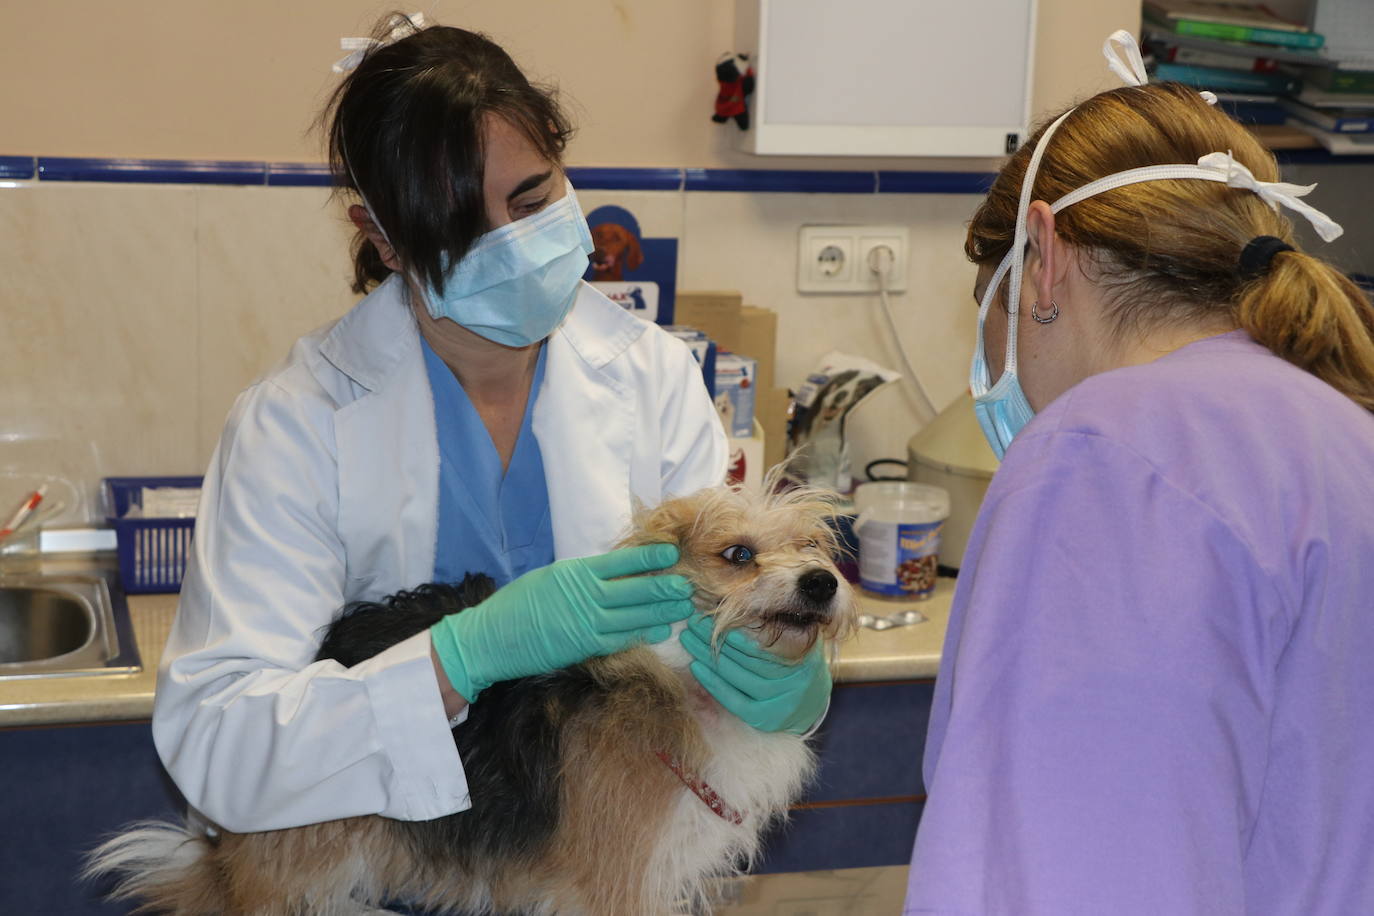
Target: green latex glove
[(767, 692), (562, 614)]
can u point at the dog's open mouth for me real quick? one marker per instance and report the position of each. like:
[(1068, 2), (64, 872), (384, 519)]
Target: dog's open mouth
[(796, 620)]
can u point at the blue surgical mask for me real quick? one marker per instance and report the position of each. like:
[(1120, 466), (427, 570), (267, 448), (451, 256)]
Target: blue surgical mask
[(517, 283), (1001, 408)]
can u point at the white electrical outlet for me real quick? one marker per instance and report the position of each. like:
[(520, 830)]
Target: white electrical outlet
[(825, 261), (834, 259)]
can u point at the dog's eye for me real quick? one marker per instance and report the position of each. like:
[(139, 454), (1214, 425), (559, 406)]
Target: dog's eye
[(737, 554)]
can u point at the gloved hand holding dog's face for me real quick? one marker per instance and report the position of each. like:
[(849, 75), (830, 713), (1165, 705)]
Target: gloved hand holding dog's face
[(562, 614), (763, 690)]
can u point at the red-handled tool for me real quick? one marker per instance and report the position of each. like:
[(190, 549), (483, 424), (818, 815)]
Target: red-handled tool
[(23, 512)]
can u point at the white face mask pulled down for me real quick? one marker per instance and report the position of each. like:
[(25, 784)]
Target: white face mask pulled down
[(1002, 408)]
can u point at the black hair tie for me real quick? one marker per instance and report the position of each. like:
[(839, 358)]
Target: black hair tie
[(1256, 256)]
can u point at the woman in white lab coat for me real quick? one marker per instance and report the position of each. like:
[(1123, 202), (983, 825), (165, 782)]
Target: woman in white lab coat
[(482, 409)]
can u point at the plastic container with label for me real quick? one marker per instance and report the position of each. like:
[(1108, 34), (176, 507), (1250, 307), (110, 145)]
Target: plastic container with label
[(898, 525)]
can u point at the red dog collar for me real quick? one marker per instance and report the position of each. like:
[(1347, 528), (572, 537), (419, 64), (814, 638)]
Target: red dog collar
[(702, 790)]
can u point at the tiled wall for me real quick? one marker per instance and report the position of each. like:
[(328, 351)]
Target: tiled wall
[(135, 312)]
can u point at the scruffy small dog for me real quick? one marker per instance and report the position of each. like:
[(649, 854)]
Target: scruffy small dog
[(617, 787)]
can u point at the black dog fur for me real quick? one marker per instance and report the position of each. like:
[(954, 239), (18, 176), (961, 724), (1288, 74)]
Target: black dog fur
[(509, 744)]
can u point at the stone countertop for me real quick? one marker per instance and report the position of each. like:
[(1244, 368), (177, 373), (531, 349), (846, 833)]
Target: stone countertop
[(901, 653), (98, 697)]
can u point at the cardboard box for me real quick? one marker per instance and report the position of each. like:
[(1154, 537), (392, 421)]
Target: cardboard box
[(750, 331), (745, 329), (771, 406), (758, 338), (716, 313)]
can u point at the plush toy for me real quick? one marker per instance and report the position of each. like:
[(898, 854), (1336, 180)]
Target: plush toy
[(736, 79)]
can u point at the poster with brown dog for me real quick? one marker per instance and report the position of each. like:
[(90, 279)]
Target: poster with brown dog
[(638, 273)]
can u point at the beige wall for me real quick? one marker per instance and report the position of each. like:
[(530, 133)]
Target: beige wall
[(143, 309), (245, 79)]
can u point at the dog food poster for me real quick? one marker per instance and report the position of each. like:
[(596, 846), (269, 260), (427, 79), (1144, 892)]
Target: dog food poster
[(637, 272)]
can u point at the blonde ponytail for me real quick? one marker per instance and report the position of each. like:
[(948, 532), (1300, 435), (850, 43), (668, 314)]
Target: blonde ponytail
[(1312, 315)]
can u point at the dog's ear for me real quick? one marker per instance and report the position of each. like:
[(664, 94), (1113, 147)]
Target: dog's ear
[(634, 255), (670, 522)]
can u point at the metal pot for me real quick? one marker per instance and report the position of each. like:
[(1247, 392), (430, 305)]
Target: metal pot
[(950, 452)]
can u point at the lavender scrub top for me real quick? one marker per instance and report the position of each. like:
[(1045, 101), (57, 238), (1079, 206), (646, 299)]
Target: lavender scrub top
[(1157, 688)]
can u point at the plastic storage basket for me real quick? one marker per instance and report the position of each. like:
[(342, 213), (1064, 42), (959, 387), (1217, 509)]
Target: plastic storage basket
[(152, 551)]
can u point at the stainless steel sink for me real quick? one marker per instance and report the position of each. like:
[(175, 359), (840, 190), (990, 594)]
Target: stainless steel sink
[(64, 624)]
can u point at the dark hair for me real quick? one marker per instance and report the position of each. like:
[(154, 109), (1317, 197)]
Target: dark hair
[(1169, 251), (405, 131)]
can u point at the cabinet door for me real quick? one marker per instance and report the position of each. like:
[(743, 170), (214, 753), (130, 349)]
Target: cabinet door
[(887, 77), (863, 807), (66, 789)]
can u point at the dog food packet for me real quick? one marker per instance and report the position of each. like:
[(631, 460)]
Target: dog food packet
[(816, 439), (736, 381)]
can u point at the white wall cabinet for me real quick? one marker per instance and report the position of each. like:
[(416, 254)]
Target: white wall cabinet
[(887, 77)]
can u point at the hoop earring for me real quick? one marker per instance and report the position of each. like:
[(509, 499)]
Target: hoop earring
[(1054, 312)]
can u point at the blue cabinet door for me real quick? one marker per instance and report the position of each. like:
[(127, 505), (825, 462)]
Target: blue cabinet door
[(863, 807), (66, 789)]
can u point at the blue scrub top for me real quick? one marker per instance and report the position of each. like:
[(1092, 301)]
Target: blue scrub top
[(489, 522)]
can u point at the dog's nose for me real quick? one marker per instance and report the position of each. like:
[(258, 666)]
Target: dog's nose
[(819, 585)]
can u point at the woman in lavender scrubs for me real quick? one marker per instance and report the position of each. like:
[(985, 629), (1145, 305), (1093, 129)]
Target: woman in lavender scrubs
[(1157, 689)]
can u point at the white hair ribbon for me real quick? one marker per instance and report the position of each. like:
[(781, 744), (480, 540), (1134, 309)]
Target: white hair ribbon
[(1275, 193), (402, 26), (1221, 167), (1130, 66)]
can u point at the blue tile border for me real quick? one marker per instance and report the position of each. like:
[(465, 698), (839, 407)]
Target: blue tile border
[(151, 171), (625, 179), (935, 182), (16, 168), (312, 174), (781, 180), (299, 175)]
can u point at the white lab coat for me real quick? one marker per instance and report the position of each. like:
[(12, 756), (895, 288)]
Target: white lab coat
[(323, 490)]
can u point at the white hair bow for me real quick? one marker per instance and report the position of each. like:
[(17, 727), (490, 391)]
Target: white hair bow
[(1219, 167), (1275, 193), (401, 27), (1130, 66)]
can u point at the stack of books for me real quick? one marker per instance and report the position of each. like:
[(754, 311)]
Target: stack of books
[(1241, 51), (1342, 119), (1336, 104)]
